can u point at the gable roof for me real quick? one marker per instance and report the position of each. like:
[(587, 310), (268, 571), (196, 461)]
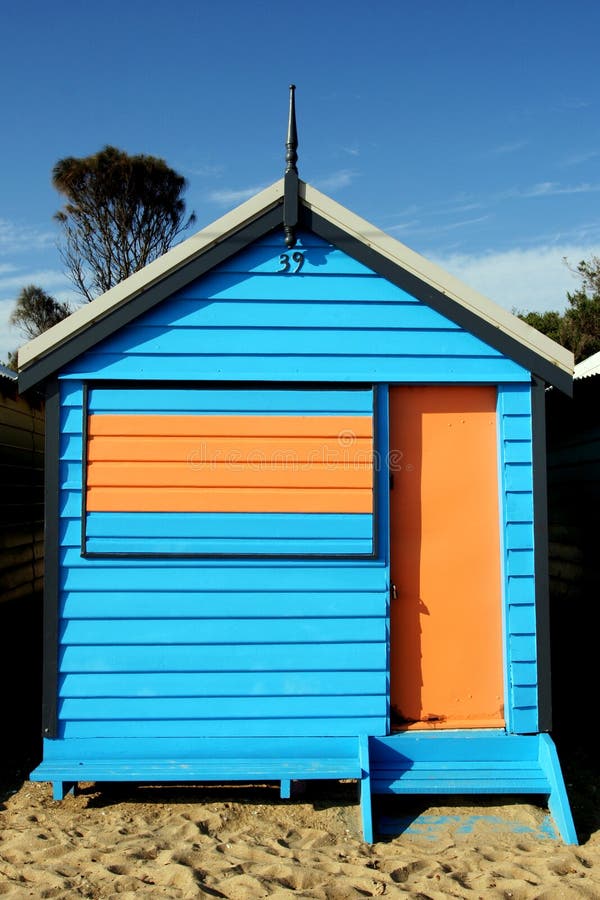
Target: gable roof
[(46, 354)]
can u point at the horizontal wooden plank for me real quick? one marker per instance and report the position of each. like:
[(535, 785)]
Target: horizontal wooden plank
[(221, 631), (229, 286), (464, 781), (525, 720), (231, 426), (139, 340), (234, 499), (435, 368), (519, 506), (21, 555), (518, 476), (521, 618), (17, 456), (198, 708), (524, 673), (317, 727), (70, 475), (226, 575), (199, 770), (203, 748), (517, 428), (239, 657), (199, 450), (71, 420), (520, 562), (21, 574), (206, 532), (521, 588), (17, 536), (70, 447), (242, 525), (71, 393), (518, 451), (516, 400), (222, 684), (446, 747), (522, 647), (355, 576), (525, 695), (94, 604), (266, 473), (21, 417), (275, 400), (169, 546), (519, 535), (193, 312), (25, 440)]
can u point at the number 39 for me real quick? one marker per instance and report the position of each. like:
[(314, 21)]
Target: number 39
[(286, 265)]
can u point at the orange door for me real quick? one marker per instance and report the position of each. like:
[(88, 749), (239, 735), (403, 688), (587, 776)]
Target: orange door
[(446, 617)]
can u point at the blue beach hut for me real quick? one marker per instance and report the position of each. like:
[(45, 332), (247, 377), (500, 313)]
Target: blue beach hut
[(295, 519)]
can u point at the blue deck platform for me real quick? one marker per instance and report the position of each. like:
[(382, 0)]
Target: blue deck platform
[(451, 762)]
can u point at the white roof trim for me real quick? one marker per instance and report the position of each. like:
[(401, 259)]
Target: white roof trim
[(438, 278), (169, 262), (337, 215)]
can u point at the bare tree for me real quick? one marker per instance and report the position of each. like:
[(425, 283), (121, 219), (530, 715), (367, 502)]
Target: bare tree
[(121, 212), (36, 311)]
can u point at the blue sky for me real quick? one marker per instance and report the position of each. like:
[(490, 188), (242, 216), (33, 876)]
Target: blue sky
[(468, 130)]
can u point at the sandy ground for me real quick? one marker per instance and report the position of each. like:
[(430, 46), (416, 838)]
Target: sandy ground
[(244, 842)]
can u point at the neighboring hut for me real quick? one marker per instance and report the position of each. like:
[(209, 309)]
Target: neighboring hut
[(296, 524), (21, 563), (573, 503)]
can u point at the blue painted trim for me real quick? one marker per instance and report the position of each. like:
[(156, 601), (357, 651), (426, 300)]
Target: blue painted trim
[(558, 801), (382, 512), (234, 399), (364, 787), (501, 463)]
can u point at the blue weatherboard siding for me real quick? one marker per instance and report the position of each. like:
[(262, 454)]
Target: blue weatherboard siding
[(174, 648), (516, 499), (334, 321), (163, 653)]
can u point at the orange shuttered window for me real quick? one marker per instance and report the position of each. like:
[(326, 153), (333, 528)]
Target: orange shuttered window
[(230, 463), (446, 628)]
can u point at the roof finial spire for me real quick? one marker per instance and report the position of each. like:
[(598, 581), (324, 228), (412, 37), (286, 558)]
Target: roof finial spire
[(291, 145), (290, 190)]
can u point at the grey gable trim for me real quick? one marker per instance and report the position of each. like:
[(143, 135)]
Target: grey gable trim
[(122, 315), (437, 300)]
